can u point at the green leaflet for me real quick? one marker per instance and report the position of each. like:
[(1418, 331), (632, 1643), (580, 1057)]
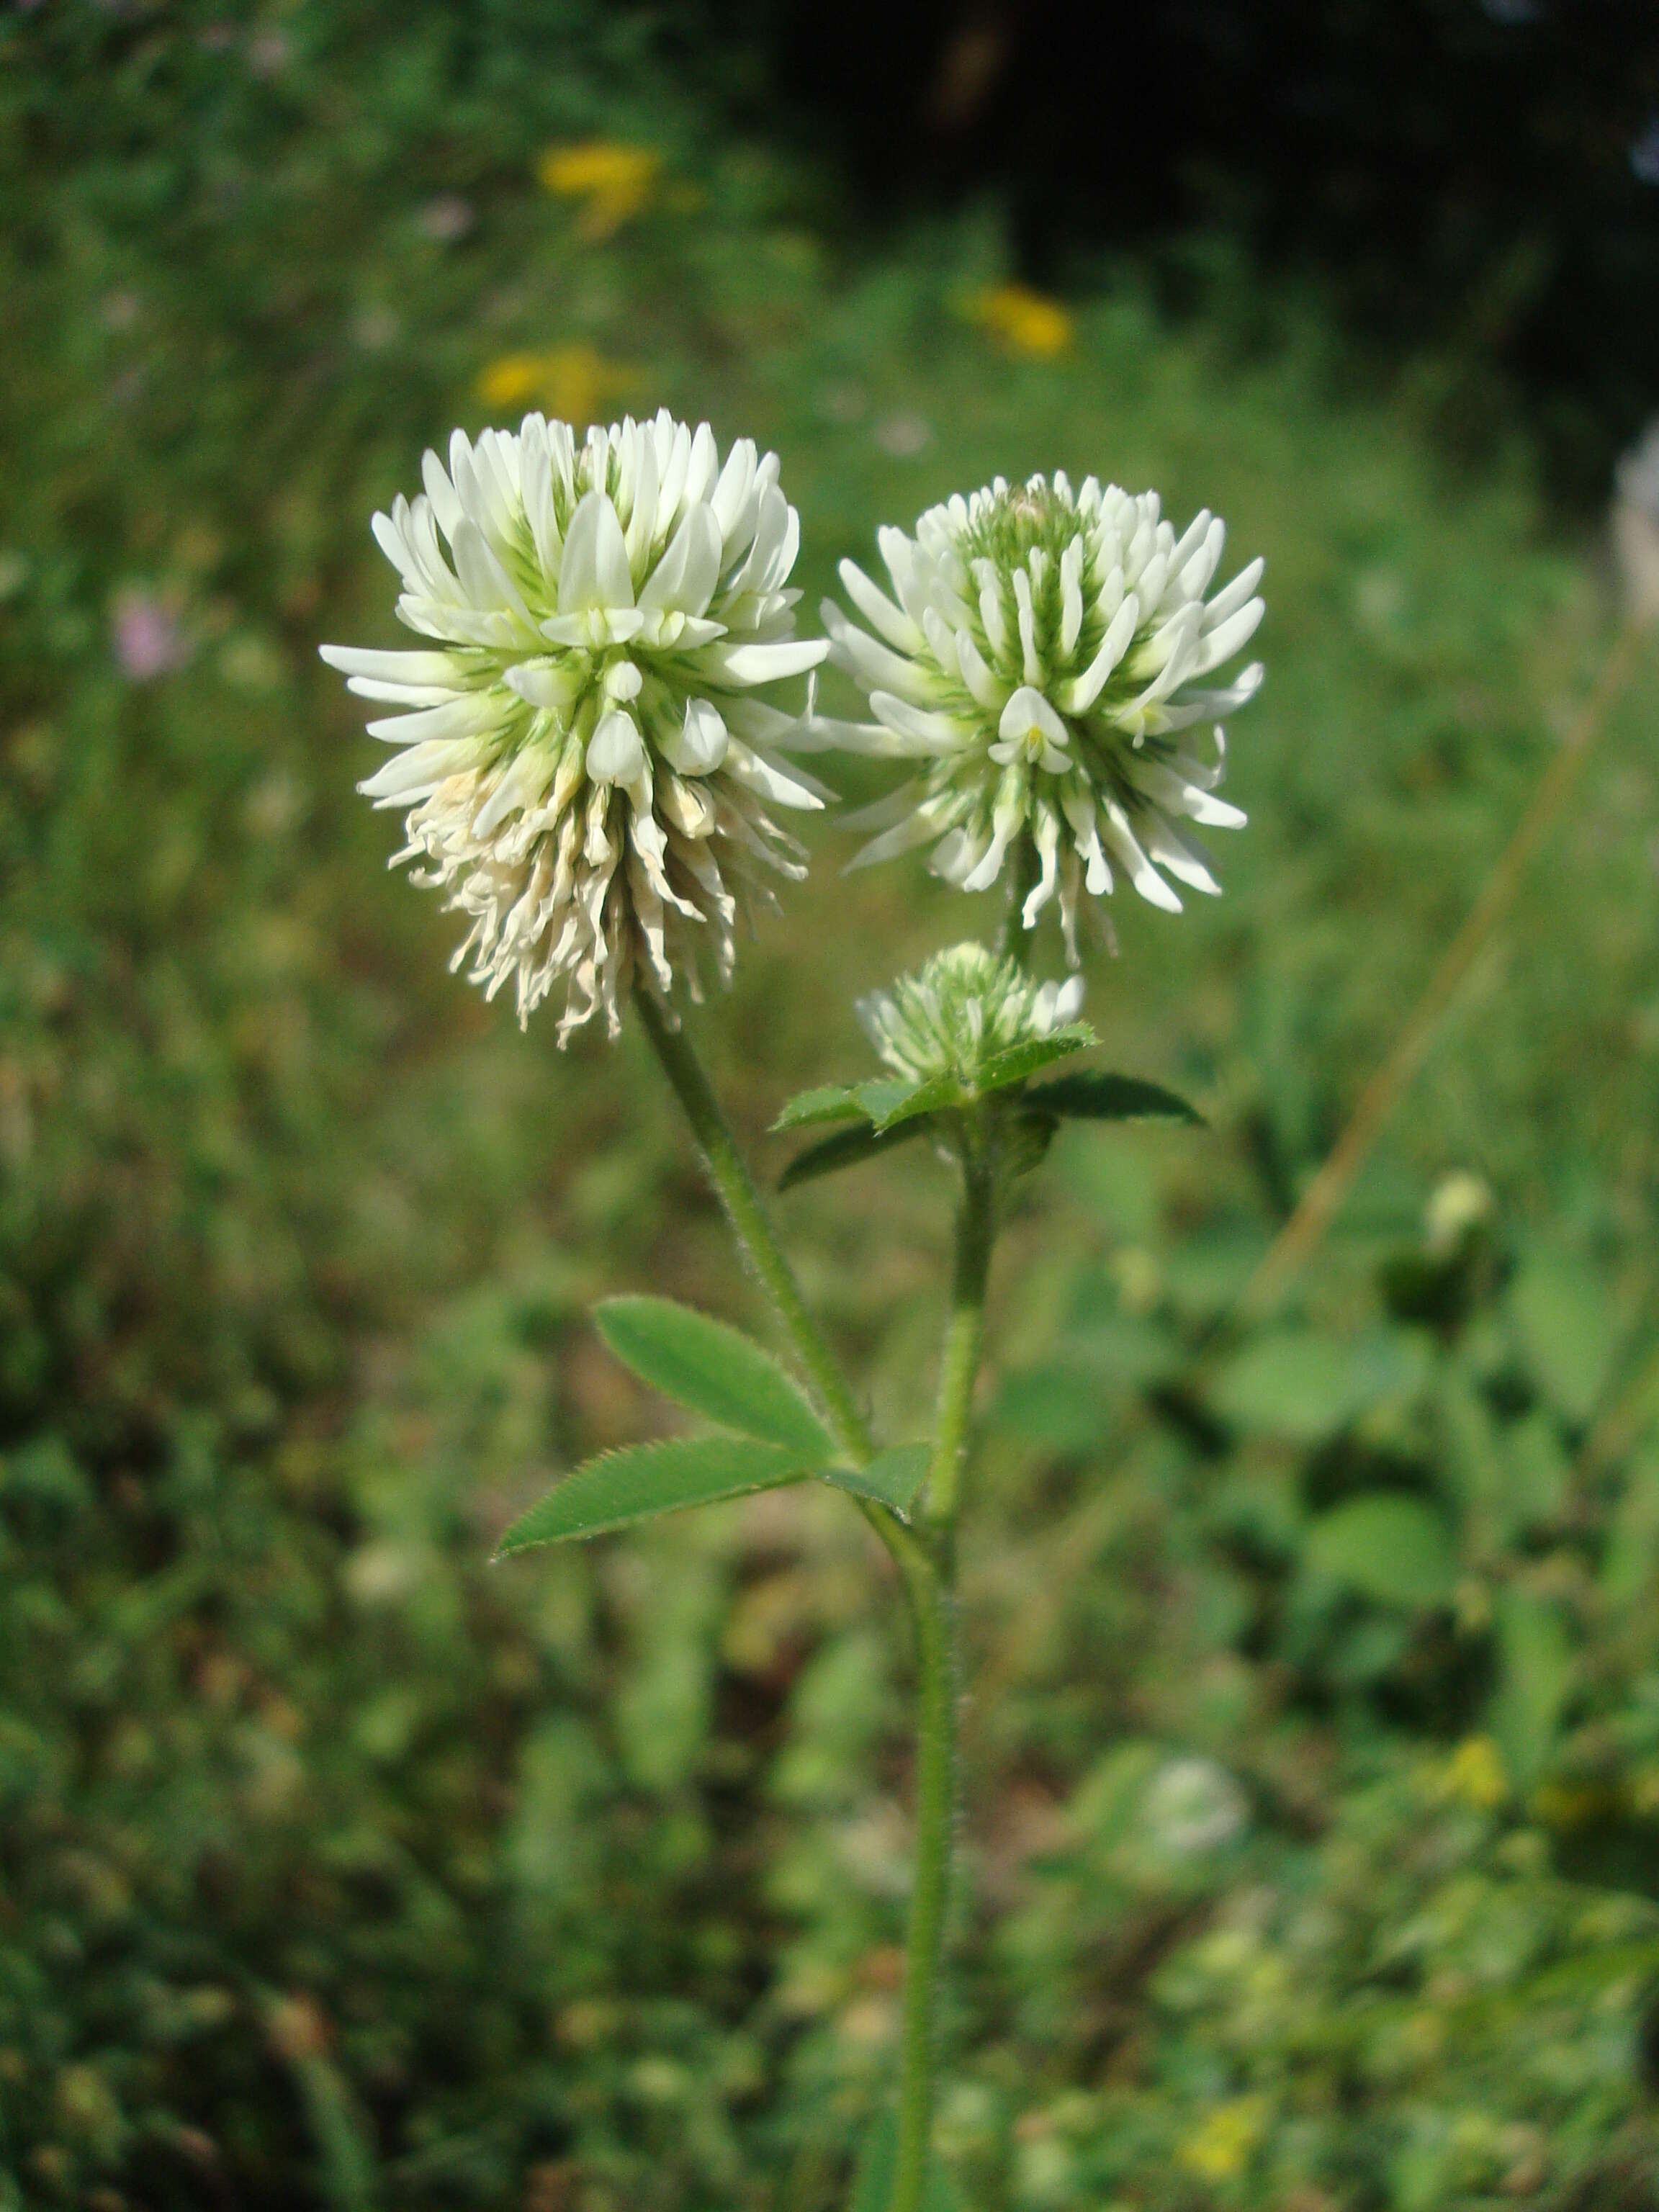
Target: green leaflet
[(847, 1148), (831, 1101), (892, 1478), (713, 1370), (1092, 1097), (641, 1480), (1019, 1060)]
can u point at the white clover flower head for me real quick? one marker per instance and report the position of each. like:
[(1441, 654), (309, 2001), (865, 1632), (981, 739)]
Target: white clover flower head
[(965, 1006), (1043, 652), (582, 755)]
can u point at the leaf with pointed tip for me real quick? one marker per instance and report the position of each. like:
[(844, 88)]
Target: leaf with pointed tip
[(641, 1480), (892, 1478), (1016, 1062), (831, 1101), (847, 1148), (1091, 1097), (714, 1370)]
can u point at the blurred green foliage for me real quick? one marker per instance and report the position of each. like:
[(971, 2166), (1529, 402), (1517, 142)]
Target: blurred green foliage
[(1313, 1739)]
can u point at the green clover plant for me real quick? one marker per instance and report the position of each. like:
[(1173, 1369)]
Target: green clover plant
[(584, 764)]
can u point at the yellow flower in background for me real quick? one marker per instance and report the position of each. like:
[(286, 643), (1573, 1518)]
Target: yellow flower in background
[(612, 181), (574, 382), (509, 381), (1475, 1773), (1224, 2146), (1024, 321)]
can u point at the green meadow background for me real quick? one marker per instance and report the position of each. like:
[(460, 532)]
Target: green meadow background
[(1311, 1848)]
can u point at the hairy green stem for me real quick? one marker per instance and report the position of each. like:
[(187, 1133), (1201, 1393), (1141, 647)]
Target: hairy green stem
[(933, 1603), (735, 1188), (926, 1558), (963, 1332)]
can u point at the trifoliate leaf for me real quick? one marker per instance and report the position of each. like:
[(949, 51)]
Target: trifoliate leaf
[(713, 1370), (1090, 1097), (641, 1480)]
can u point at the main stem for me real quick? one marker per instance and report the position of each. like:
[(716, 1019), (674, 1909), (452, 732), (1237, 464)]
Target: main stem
[(926, 1557), (933, 1603)]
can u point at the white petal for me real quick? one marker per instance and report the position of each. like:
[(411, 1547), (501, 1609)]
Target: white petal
[(467, 716), (483, 580), (542, 683), (1141, 873), (889, 622), (1172, 853), (642, 515), (1027, 626), (690, 568), (1068, 1002), (758, 774), (401, 694), (439, 490), (870, 663), (594, 567), (673, 460), (731, 492), (397, 667), (699, 745), (1047, 840), (765, 664), (1027, 710), (1070, 598), (703, 466), (1089, 686), (415, 774), (977, 676), (772, 520), (927, 733), (1221, 644), (1229, 601), (916, 829), (616, 751), (1178, 796)]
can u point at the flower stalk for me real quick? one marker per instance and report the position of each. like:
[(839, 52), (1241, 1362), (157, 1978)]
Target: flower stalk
[(934, 1606), (926, 1558), (740, 1201)]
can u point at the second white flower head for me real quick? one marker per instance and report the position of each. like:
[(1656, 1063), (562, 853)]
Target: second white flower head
[(1043, 651)]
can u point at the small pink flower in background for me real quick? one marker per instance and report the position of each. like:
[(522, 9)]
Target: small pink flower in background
[(146, 634)]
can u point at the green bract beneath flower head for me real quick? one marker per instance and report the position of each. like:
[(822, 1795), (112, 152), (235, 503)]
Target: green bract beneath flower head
[(581, 753), (1044, 652), (965, 1006)]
